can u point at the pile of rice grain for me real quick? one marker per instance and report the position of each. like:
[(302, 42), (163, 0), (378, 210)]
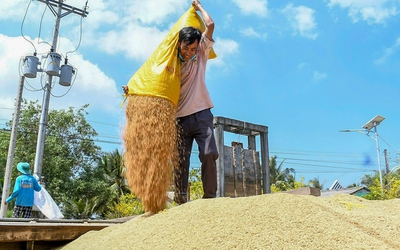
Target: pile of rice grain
[(273, 221), (150, 140)]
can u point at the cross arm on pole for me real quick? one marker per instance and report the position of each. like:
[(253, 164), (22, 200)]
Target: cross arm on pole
[(68, 8)]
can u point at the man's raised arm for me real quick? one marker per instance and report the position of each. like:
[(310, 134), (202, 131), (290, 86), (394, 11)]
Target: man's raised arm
[(209, 23)]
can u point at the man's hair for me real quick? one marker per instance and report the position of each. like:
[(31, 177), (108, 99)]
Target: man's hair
[(189, 35)]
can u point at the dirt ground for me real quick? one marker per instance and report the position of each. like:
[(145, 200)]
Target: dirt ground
[(272, 221)]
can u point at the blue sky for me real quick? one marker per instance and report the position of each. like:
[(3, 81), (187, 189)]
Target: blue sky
[(305, 69)]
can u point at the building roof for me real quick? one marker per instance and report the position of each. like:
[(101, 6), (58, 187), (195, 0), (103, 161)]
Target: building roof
[(350, 191), (336, 185)]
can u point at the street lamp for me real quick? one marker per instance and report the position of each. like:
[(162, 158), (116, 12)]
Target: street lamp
[(367, 127)]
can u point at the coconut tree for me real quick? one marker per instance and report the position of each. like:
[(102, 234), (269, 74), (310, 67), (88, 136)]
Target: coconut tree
[(316, 183), (112, 166), (283, 179)]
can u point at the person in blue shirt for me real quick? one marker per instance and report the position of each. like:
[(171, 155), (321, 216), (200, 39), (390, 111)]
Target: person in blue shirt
[(24, 188)]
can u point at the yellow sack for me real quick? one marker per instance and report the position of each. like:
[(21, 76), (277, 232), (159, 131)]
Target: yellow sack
[(160, 74)]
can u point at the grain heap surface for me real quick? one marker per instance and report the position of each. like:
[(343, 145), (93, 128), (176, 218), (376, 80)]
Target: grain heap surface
[(273, 221)]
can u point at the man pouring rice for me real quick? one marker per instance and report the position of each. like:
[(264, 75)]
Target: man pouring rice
[(193, 116)]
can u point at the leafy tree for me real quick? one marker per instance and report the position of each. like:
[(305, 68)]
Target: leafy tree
[(76, 209), (300, 183), (114, 173), (281, 179), (368, 180), (128, 205), (316, 183), (4, 137), (352, 185), (112, 169), (196, 185), (69, 150), (391, 186)]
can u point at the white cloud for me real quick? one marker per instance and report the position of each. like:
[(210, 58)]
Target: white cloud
[(318, 76), (307, 69), (14, 10), (131, 28), (388, 52), (227, 21), (224, 48), (91, 86), (134, 41), (155, 11), (302, 65), (302, 20), (250, 32), (115, 29), (372, 11), (256, 7)]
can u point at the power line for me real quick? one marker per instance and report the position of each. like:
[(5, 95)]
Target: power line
[(325, 164)]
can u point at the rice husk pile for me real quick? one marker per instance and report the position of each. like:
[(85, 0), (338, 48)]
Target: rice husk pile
[(272, 221), (150, 140)]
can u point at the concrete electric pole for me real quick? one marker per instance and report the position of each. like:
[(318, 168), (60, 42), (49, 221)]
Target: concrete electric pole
[(43, 119), (60, 10), (11, 149)]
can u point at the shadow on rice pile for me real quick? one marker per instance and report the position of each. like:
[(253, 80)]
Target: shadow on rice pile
[(273, 221)]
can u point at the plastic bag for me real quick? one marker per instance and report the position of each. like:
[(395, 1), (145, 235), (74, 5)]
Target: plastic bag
[(160, 74), (46, 205)]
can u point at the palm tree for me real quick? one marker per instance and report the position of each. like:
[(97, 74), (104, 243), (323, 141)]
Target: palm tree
[(316, 183), (283, 179), (113, 168), (76, 209)]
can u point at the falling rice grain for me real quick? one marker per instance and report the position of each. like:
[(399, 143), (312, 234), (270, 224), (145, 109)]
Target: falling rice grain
[(150, 139)]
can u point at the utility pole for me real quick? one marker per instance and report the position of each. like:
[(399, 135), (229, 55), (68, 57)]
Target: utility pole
[(54, 71), (11, 149), (385, 152), (367, 128), (45, 108)]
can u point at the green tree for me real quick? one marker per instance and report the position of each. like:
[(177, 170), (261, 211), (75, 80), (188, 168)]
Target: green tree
[(281, 179), (4, 137), (196, 185), (128, 205), (69, 151), (76, 209), (89, 185), (114, 173), (111, 165), (352, 185), (390, 183), (316, 183)]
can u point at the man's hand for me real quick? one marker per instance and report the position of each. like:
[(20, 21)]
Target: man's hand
[(5, 203), (125, 89), (196, 4)]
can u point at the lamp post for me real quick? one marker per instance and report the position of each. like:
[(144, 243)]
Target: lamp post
[(367, 128)]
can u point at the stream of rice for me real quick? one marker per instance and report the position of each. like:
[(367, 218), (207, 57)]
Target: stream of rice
[(150, 140)]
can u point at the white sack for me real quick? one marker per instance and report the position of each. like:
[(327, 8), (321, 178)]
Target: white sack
[(46, 205)]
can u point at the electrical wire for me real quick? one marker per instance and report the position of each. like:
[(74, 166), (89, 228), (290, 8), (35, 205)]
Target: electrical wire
[(389, 145), (80, 39), (317, 168), (40, 28), (22, 25)]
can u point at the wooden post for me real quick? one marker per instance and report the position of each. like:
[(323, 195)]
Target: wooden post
[(265, 163), (219, 137)]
